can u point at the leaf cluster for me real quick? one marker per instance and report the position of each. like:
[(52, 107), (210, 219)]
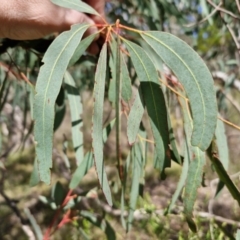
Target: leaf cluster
[(129, 73)]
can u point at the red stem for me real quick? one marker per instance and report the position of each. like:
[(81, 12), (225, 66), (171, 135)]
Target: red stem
[(48, 232)]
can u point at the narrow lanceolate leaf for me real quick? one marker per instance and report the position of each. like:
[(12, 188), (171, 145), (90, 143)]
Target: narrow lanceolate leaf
[(87, 162), (196, 80), (224, 177), (48, 85), (126, 81), (76, 5), (76, 111), (181, 181), (124, 185), (35, 226), (193, 182), (81, 170), (135, 118), (222, 149), (153, 99), (175, 156), (157, 111), (238, 235), (136, 174), (97, 130), (222, 145), (85, 43), (197, 161)]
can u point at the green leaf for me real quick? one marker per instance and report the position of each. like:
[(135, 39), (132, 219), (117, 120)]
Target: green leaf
[(181, 181), (175, 156), (81, 170), (35, 226), (194, 179), (97, 129), (126, 168), (48, 202), (196, 80), (126, 81), (197, 161), (76, 111), (157, 61), (157, 111), (222, 146), (48, 85), (238, 235), (224, 177), (85, 43), (101, 223), (143, 65), (76, 5), (153, 98), (135, 118), (58, 193), (87, 162), (59, 116), (136, 174)]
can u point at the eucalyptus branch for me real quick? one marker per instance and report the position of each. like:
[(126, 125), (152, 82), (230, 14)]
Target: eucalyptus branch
[(238, 5), (223, 10), (233, 36), (206, 18), (142, 214), (231, 100)]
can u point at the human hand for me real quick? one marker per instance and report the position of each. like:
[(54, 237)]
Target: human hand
[(33, 19)]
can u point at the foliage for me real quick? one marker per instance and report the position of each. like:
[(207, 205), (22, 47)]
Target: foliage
[(130, 73)]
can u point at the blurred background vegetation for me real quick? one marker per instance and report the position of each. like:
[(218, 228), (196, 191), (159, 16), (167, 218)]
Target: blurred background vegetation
[(212, 28)]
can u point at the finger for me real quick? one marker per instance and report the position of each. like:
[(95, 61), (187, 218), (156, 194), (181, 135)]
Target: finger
[(97, 5), (74, 17)]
